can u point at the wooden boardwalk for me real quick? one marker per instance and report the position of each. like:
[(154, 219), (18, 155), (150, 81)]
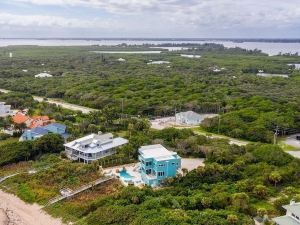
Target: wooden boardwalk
[(77, 191), (4, 178)]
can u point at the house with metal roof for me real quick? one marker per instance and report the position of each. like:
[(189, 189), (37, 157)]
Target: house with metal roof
[(43, 75), (93, 147), (292, 216), (189, 118), (37, 132), (5, 110), (157, 164)]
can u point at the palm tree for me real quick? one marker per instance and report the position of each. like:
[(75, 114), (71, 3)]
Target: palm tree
[(275, 177)]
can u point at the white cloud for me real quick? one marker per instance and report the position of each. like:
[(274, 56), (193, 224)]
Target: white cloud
[(184, 17), (8, 19), (197, 12)]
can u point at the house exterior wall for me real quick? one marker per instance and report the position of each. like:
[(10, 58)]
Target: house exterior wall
[(183, 118), (5, 110), (88, 157), (153, 171)]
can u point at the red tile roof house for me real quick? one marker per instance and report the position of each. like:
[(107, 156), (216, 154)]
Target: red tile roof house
[(31, 122)]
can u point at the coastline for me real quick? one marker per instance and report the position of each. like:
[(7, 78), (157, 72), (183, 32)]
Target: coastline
[(13, 211)]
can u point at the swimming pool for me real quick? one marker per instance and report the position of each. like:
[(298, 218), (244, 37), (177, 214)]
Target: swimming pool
[(125, 175)]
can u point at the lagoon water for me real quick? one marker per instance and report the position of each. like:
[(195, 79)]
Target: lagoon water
[(270, 48)]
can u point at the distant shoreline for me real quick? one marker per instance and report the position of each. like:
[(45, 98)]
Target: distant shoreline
[(238, 40)]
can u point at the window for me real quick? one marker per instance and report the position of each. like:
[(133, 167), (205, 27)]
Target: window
[(148, 163), (148, 171), (161, 165), (161, 174), (173, 163)]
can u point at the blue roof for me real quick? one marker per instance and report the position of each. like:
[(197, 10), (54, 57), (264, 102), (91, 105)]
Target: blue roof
[(39, 131), (57, 125)]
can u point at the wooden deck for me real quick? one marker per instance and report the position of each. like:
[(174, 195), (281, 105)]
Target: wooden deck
[(77, 191)]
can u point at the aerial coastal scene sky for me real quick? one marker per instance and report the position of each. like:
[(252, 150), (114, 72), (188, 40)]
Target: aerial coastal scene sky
[(150, 18)]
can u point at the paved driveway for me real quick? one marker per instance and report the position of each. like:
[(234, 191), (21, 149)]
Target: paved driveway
[(191, 163), (296, 154), (292, 141)]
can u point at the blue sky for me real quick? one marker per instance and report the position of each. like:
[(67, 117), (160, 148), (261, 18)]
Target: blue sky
[(150, 18)]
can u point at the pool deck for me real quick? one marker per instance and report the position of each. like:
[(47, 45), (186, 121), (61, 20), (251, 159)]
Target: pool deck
[(133, 170)]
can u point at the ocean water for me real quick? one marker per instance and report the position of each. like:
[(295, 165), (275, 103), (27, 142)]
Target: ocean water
[(271, 48)]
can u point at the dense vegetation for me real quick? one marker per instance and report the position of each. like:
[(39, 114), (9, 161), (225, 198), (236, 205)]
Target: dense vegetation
[(52, 174), (15, 151), (236, 184), (135, 88)]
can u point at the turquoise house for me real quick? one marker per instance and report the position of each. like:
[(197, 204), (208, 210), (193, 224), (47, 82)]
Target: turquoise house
[(157, 164)]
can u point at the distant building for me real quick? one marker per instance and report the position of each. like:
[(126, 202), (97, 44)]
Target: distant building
[(217, 70), (38, 132), (5, 110), (191, 56), (43, 75), (10, 55), (121, 60), (189, 118), (93, 147), (157, 62), (292, 216), (157, 164)]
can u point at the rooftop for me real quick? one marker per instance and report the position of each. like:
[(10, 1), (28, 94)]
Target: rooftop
[(189, 114), (293, 208), (157, 152), (20, 118), (286, 220), (57, 125), (43, 75), (94, 143)]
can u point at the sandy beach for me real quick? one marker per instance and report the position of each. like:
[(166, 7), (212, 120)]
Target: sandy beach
[(13, 211)]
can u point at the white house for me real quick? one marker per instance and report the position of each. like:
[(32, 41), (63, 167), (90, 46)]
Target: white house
[(121, 60), (5, 110), (191, 56), (292, 216), (189, 117), (43, 75), (93, 147)]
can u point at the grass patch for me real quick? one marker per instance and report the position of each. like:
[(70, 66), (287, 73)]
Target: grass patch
[(40, 187), (80, 205), (25, 193), (287, 147)]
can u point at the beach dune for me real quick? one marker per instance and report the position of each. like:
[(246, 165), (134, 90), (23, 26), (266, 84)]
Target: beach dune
[(13, 211)]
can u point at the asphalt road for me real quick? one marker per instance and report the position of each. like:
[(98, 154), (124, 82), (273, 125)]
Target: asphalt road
[(63, 104)]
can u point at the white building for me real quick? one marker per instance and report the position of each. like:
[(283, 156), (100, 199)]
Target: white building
[(121, 60), (189, 117), (292, 216), (93, 147), (191, 56), (5, 110), (158, 62), (43, 75)]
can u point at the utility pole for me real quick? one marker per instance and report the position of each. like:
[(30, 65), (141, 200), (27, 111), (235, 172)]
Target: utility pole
[(275, 135), (122, 107), (219, 122), (175, 114)]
